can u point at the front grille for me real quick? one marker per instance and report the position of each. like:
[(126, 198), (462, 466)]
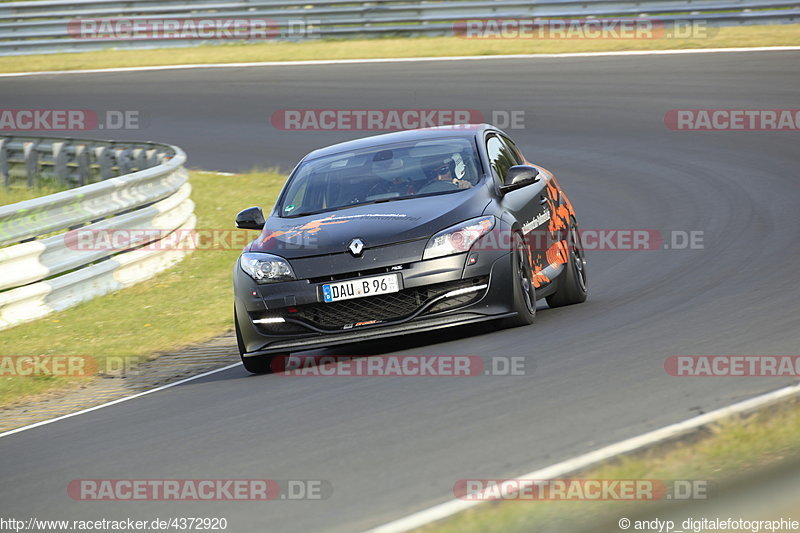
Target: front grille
[(383, 307)]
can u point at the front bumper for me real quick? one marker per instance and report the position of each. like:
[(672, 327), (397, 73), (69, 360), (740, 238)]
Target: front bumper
[(437, 293)]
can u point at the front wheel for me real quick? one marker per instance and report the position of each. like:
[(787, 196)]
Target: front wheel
[(255, 364), (522, 283), (572, 288)]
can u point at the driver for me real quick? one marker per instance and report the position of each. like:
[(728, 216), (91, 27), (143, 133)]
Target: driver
[(440, 168)]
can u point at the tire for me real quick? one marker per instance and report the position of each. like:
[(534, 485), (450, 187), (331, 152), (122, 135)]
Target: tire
[(522, 286), (572, 287), (255, 364)]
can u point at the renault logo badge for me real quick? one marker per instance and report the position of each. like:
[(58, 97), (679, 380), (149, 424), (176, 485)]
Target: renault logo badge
[(356, 247)]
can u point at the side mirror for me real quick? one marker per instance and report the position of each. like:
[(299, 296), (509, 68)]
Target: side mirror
[(250, 218), (519, 176)]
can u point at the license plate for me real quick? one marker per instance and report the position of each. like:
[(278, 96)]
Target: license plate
[(359, 288)]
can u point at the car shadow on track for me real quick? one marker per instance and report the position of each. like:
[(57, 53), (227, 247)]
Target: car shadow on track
[(413, 341), (392, 345)]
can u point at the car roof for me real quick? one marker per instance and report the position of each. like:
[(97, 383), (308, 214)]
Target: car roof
[(465, 131)]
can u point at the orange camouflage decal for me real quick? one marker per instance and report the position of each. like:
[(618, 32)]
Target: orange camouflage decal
[(309, 228), (561, 213), (557, 254), (540, 279)]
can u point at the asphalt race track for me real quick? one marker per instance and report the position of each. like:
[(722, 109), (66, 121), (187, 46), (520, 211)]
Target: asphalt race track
[(595, 375)]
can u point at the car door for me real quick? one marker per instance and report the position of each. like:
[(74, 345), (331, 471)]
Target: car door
[(529, 205)]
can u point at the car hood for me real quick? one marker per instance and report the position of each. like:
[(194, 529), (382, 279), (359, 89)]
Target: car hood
[(375, 224)]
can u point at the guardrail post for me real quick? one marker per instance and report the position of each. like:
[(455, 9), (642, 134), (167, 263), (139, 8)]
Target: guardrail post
[(60, 168), (105, 160), (4, 165), (152, 157), (139, 159), (125, 161), (31, 155), (82, 160)]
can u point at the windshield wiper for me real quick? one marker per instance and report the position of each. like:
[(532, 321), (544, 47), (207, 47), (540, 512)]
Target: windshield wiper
[(307, 213), (348, 206)]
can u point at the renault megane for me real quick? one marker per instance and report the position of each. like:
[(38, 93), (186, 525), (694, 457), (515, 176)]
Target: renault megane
[(404, 232)]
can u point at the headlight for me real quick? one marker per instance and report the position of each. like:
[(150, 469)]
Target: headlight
[(459, 238), (266, 268)]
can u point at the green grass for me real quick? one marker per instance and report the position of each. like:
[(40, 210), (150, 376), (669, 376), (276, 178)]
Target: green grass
[(729, 449), (18, 193), (725, 37), (189, 303)]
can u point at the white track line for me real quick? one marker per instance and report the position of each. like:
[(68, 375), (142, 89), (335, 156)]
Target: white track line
[(107, 404), (449, 508), (405, 60)]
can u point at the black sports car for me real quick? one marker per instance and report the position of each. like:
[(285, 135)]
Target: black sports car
[(404, 232)]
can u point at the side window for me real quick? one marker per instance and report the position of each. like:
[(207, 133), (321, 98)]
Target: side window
[(514, 150), (501, 156)]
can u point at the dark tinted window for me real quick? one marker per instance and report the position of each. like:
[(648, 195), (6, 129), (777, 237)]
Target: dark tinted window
[(381, 173), (501, 156), (517, 154)]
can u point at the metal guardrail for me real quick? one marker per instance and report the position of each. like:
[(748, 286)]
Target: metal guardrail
[(74, 162), (43, 26), (43, 270)]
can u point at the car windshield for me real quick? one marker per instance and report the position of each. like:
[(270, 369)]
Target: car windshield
[(381, 174)]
